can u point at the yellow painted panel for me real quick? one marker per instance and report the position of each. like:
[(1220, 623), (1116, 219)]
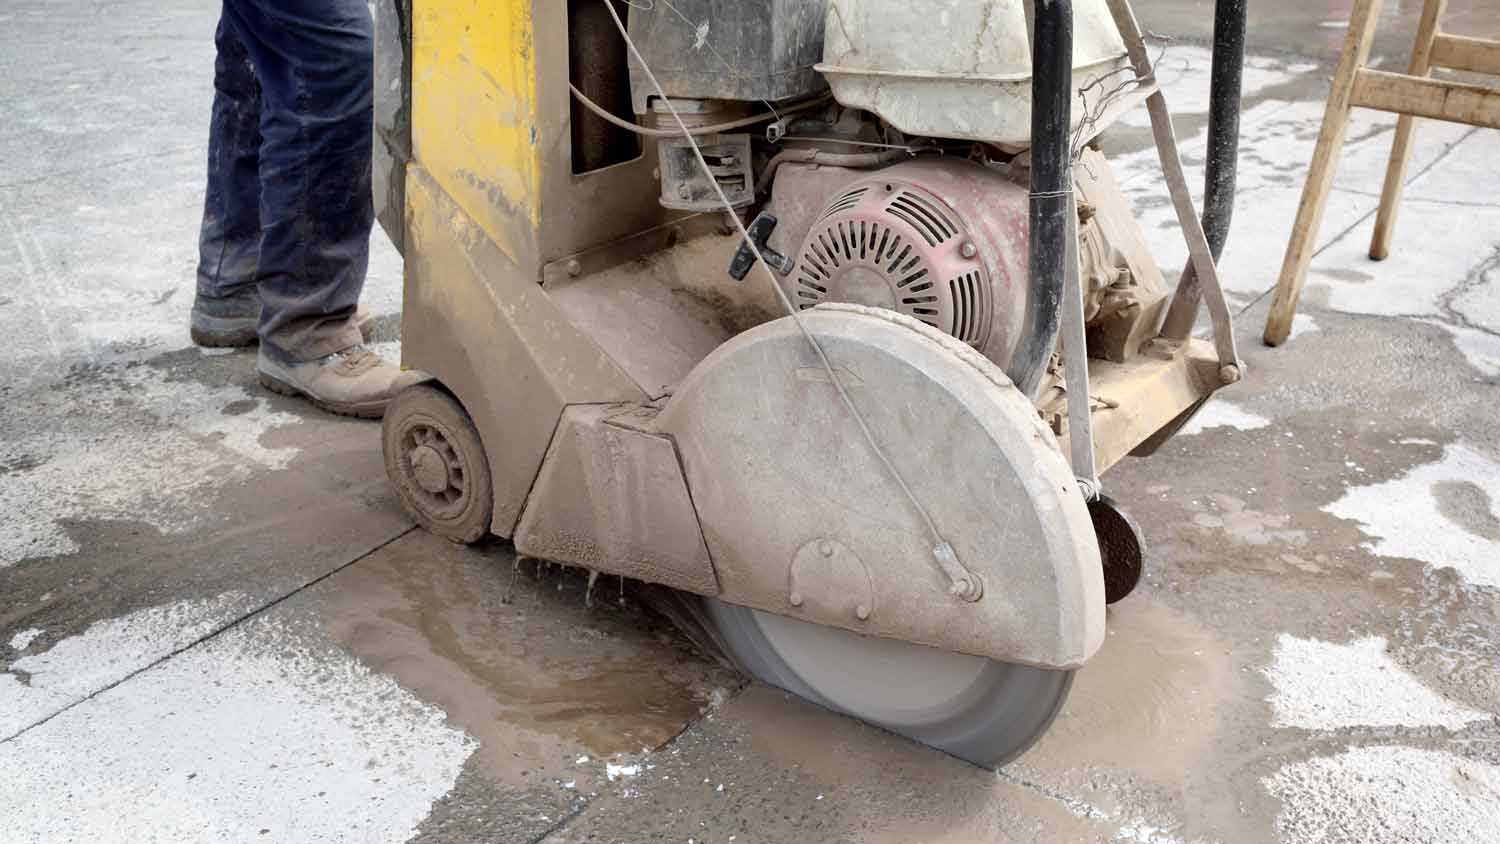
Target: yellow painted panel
[(474, 115)]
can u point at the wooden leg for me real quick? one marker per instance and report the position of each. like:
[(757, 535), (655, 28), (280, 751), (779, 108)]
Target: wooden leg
[(1320, 174), (1406, 126)]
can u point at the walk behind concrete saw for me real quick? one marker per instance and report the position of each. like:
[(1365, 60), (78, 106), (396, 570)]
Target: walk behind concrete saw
[(824, 313)]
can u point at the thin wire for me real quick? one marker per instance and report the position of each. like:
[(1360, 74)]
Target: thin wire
[(809, 139), (649, 132), (786, 303)]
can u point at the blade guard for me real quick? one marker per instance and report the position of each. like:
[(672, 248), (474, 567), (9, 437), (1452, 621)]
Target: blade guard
[(802, 519)]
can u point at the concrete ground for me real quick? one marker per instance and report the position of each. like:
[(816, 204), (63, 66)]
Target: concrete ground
[(216, 623)]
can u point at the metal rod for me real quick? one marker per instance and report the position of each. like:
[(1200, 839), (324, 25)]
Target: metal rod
[(1223, 157), (1051, 185), (1076, 367)]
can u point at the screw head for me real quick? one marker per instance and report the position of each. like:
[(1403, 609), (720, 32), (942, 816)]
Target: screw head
[(861, 612), (795, 598), (1229, 373), (574, 268), (968, 250), (825, 548)]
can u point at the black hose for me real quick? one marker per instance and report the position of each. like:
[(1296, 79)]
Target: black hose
[(1223, 155), (1051, 182)]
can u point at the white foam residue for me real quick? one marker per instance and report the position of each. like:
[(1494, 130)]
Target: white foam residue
[(105, 653), (1385, 794), (613, 771), (21, 641), (1302, 324), (1144, 833), (1221, 414), (1326, 686), (257, 735), (134, 445), (1406, 520)]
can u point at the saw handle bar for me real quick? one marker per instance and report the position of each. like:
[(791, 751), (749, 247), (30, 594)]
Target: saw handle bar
[(1051, 177), (1051, 187), (1223, 156)]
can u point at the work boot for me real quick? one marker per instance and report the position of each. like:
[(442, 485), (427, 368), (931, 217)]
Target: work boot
[(354, 382), (227, 322)]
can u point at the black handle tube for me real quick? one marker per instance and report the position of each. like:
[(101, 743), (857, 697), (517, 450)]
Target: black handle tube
[(1051, 182), (1223, 155)]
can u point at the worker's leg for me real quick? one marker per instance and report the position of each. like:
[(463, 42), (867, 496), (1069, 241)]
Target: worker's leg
[(226, 309), (314, 61)]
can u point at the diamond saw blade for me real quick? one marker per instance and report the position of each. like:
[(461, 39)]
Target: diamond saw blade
[(977, 709)]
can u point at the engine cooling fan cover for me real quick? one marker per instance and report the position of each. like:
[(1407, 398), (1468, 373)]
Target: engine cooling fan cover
[(941, 241)]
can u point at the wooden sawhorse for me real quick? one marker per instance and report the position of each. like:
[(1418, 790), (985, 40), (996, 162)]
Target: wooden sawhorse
[(1411, 95)]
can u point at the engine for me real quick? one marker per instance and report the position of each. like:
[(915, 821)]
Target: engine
[(941, 240), (905, 188)]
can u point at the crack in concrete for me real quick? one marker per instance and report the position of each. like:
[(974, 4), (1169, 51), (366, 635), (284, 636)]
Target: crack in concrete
[(1477, 277), (1073, 804), (1457, 203), (232, 623)]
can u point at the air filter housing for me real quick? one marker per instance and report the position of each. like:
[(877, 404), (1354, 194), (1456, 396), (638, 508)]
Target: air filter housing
[(943, 241)]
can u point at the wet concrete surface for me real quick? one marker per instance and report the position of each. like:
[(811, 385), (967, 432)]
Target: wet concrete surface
[(216, 623)]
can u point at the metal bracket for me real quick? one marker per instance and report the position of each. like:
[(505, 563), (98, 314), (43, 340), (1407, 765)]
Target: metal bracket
[(1231, 368)]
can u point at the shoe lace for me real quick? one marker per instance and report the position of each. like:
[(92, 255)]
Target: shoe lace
[(354, 359)]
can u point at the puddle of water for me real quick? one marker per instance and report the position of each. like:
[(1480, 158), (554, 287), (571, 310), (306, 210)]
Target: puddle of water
[(541, 681)]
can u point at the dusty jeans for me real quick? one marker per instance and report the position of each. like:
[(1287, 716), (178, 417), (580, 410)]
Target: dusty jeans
[(288, 211)]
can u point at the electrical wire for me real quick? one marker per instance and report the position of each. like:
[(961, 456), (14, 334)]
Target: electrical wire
[(610, 117), (962, 581), (817, 156)]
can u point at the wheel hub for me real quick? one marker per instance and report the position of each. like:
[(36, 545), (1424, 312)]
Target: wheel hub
[(435, 468), (430, 470)]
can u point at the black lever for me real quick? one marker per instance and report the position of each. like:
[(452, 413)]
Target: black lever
[(744, 258)]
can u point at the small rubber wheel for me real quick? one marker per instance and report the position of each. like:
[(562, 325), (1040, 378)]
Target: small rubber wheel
[(437, 464)]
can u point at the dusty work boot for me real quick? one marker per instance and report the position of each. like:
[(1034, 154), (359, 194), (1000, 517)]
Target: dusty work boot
[(227, 322), (354, 382)]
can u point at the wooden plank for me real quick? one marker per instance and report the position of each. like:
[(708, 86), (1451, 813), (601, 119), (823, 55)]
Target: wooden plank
[(1460, 52), (1437, 99), (1406, 126), (1320, 173)]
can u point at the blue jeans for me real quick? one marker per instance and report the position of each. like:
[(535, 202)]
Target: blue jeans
[(287, 212)]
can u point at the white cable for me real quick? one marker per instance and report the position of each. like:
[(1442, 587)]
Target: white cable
[(963, 584), (613, 119)]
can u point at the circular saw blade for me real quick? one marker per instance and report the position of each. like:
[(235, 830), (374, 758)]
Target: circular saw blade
[(977, 709)]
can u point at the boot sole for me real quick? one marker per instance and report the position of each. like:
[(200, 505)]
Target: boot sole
[(361, 410), (222, 332)]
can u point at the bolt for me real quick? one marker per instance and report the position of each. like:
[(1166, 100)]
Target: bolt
[(825, 548), (968, 250), (795, 598), (684, 191), (861, 612), (574, 268), (1229, 373)]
